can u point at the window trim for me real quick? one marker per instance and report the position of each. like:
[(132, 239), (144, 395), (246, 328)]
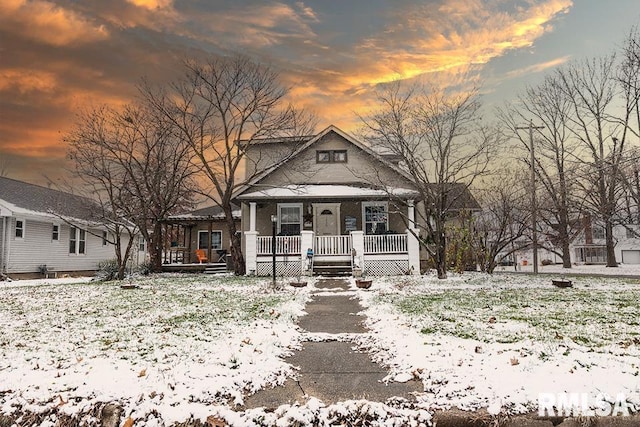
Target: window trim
[(213, 248), (22, 229), (290, 205), (105, 238), (142, 243), (55, 232), (384, 204)]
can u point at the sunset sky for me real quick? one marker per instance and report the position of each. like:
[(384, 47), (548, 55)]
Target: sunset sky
[(58, 56)]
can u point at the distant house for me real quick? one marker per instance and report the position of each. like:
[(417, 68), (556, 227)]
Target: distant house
[(199, 230), (335, 205), (50, 232)]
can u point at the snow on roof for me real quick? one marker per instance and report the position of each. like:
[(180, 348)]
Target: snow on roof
[(307, 191)]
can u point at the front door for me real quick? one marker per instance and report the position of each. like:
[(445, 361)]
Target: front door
[(326, 219)]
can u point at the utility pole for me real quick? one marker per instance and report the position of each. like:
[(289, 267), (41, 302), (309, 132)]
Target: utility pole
[(534, 225)]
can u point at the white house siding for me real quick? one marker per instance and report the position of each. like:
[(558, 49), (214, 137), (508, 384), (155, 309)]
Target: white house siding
[(37, 248)]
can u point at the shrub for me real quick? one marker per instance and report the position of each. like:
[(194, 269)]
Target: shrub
[(144, 269), (107, 270), (547, 262)]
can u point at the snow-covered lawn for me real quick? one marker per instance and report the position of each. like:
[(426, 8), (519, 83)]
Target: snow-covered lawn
[(175, 345), (497, 342), (190, 346)]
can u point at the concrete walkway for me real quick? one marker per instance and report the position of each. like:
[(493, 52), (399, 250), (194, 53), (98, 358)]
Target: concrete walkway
[(331, 370)]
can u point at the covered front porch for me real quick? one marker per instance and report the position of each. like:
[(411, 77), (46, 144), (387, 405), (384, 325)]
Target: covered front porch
[(358, 229)]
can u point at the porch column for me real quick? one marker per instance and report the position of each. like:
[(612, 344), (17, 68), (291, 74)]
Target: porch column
[(251, 255), (252, 216), (411, 214), (306, 243), (413, 247), (357, 251)]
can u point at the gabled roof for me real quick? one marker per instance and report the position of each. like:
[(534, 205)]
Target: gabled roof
[(22, 198), (259, 177)]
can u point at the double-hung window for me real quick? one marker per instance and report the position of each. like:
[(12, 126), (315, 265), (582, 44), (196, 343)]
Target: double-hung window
[(77, 241), (289, 219), (19, 233), (55, 232), (375, 217)]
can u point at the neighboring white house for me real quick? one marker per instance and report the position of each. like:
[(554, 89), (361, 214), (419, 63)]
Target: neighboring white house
[(589, 247), (36, 235)]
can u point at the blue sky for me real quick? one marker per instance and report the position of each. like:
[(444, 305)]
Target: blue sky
[(57, 57)]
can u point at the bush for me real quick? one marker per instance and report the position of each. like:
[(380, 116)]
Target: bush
[(144, 269), (107, 270), (547, 262)]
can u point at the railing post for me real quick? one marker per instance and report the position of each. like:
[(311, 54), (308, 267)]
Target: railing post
[(306, 243), (413, 249), (251, 256), (357, 248)]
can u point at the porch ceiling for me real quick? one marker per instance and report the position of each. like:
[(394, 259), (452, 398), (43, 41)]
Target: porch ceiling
[(312, 191)]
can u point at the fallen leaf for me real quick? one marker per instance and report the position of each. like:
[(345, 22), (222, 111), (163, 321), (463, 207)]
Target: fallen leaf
[(215, 422), (62, 401), (514, 361), (128, 422), (142, 373), (492, 319)]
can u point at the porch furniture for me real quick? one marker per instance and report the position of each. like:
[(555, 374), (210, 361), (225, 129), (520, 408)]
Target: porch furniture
[(201, 255)]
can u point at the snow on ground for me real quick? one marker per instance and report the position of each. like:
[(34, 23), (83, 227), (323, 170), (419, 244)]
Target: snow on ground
[(620, 270), (176, 345), (182, 347), (478, 341)]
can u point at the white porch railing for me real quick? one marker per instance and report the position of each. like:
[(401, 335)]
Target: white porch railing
[(385, 243), (285, 245), (332, 245)]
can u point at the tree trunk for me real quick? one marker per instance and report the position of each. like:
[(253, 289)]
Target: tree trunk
[(155, 247), (441, 255), (611, 254), (236, 243)]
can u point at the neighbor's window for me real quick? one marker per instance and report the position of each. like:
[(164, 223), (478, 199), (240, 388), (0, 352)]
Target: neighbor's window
[(104, 238), (598, 232), (77, 241), (331, 156), (55, 232), (216, 240), (375, 217), (289, 218), (631, 234), (141, 243), (19, 229)]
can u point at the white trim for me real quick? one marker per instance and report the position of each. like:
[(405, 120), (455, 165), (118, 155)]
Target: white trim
[(380, 203), (289, 205)]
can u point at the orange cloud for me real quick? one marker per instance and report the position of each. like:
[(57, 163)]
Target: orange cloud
[(48, 23), (457, 34), (152, 4), (27, 80), (538, 68)]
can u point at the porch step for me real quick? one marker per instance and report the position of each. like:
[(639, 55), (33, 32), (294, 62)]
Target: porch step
[(218, 268), (332, 268)]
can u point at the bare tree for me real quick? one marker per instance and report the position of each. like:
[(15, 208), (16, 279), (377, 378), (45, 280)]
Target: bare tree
[(593, 89), (137, 169), (500, 228), (555, 166), (220, 109), (442, 145)]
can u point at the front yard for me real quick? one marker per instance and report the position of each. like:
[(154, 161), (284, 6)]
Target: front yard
[(181, 347), (498, 342), (175, 345)]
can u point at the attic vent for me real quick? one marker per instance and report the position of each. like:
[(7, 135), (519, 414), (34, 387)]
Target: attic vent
[(326, 212)]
